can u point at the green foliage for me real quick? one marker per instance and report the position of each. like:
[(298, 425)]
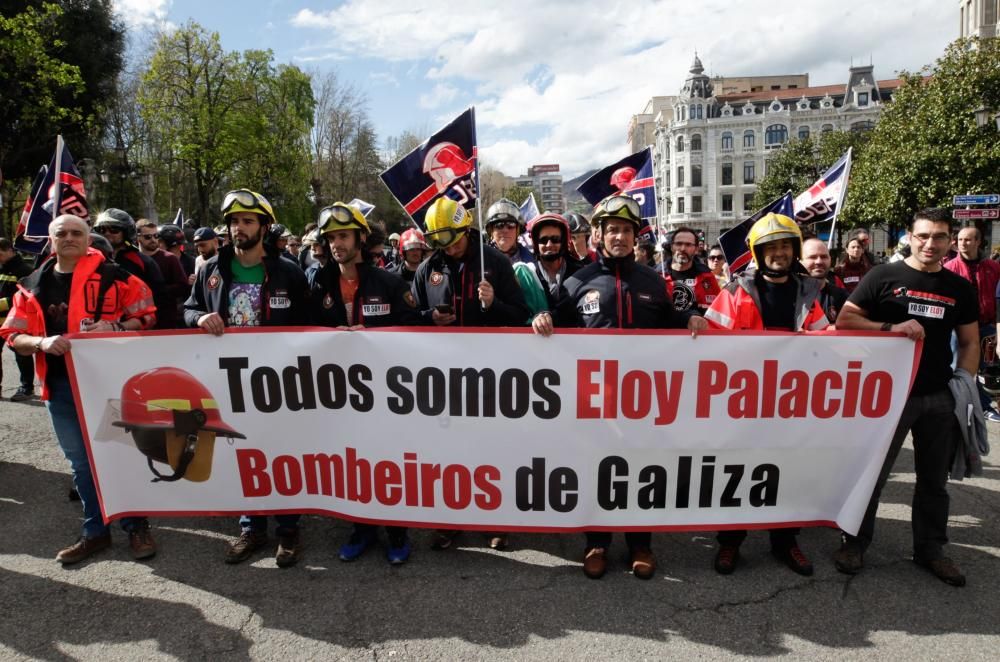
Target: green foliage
[(517, 195), (926, 147)]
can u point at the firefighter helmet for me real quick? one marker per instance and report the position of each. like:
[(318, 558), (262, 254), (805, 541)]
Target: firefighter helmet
[(246, 200), (773, 227), (504, 211), (412, 239), (173, 419), (446, 221)]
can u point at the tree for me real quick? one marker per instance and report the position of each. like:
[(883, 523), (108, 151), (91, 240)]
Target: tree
[(926, 147)]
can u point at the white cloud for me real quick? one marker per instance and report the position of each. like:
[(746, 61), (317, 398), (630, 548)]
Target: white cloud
[(143, 13), (574, 72)]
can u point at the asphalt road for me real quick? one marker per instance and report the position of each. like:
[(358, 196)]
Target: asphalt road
[(532, 602)]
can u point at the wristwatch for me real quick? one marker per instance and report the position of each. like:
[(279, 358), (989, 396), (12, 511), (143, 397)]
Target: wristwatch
[(886, 326)]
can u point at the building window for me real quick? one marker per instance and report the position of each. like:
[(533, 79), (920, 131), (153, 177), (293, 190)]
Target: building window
[(696, 142), (990, 12), (827, 128), (866, 125), (749, 172), (862, 99), (727, 202), (680, 205), (747, 201), (803, 132), (696, 111), (776, 134), (680, 143), (680, 176), (696, 175), (748, 138), (727, 140), (727, 174), (695, 204)]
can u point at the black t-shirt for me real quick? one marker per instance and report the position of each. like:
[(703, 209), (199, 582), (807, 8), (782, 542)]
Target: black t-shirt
[(55, 289), (778, 303), (684, 282), (939, 301)]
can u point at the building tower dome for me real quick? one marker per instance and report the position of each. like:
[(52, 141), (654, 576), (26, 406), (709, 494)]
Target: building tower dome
[(698, 85)]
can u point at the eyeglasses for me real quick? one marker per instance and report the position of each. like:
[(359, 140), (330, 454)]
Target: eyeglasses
[(293, 245), (143, 235), (503, 225), (337, 215), (938, 237), (108, 229), (716, 257), (615, 205), (443, 238), (552, 239), (248, 200)]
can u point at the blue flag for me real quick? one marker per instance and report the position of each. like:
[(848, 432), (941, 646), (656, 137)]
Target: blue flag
[(633, 176), (443, 165), (364, 207), (529, 208), (734, 241), (822, 201), (33, 229), (179, 218)]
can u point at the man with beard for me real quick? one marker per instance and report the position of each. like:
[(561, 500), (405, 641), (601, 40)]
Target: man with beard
[(247, 285), (816, 261), (412, 247), (176, 286), (691, 284), (206, 244), (503, 226), (118, 228), (172, 240)]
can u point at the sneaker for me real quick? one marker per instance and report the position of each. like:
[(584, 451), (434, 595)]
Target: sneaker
[(243, 547), (498, 541), (849, 559), (356, 546), (443, 539), (726, 559), (289, 549), (595, 562), (793, 557), (944, 569), (23, 394), (643, 562), (83, 548), (141, 543), (399, 551), (990, 414)]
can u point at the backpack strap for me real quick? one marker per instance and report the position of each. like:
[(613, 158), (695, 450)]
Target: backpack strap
[(109, 272)]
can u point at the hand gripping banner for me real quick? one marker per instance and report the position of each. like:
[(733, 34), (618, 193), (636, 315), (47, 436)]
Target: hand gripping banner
[(494, 430)]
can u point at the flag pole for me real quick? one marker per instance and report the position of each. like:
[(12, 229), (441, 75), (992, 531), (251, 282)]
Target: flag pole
[(57, 178)]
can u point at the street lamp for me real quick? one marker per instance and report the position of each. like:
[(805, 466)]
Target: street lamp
[(983, 114)]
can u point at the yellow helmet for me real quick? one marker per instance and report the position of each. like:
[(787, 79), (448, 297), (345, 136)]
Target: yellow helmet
[(246, 200), (773, 227), (446, 221), (341, 216)]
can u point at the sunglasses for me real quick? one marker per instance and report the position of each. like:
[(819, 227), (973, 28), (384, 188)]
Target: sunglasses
[(291, 245), (443, 238), (504, 225), (336, 215), (541, 241), (716, 257), (615, 205), (148, 236), (247, 199), (108, 229)]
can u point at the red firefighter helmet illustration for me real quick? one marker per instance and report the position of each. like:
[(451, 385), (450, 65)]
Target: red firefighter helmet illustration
[(173, 419), (445, 162), (622, 177)]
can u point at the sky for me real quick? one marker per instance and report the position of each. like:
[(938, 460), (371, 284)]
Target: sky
[(557, 81)]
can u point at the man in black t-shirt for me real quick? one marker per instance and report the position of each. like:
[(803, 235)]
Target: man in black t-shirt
[(920, 298)]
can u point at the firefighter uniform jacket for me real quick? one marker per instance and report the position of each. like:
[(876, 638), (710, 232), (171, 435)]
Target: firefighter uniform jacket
[(382, 299), (618, 293), (126, 298), (441, 280), (738, 306), (284, 295)]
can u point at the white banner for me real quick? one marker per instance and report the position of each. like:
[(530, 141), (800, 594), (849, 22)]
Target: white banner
[(494, 430)]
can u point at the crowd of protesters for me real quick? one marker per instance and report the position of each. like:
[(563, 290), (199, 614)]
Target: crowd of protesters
[(551, 273)]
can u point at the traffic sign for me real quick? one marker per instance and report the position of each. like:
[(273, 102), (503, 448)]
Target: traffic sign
[(982, 199), (967, 214)]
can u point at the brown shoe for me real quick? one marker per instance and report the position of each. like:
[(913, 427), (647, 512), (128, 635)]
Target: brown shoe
[(289, 548), (643, 562), (849, 559), (595, 562), (498, 541), (83, 548), (240, 549), (944, 569), (443, 539), (141, 543)]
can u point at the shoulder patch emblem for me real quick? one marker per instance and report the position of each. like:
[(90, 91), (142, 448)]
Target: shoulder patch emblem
[(214, 281), (437, 278), (592, 302)]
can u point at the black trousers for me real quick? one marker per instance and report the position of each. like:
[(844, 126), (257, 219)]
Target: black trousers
[(26, 368), (931, 419)]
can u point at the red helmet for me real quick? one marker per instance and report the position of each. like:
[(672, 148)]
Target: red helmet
[(150, 400), (622, 177), (535, 225), (412, 239)]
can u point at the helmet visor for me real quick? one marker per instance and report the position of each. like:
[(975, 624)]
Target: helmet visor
[(246, 199), (621, 206), (443, 238), (336, 217)]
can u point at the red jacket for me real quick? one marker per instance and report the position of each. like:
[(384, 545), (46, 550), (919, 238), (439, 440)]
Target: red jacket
[(737, 307), (127, 298), (987, 277)]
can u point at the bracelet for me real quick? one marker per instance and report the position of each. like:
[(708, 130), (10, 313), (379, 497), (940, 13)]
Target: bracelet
[(38, 345), (886, 326)]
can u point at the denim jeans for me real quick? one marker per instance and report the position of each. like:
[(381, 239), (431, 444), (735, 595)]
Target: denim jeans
[(287, 524), (66, 425)]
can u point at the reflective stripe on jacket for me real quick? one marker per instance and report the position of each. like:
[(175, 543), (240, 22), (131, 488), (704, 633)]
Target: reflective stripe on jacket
[(737, 307)]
